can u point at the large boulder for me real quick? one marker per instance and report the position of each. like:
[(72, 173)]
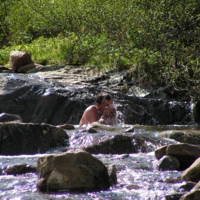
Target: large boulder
[(78, 171), (119, 144), (160, 152), (37, 101), (19, 59), (168, 163), (184, 136), (28, 138), (186, 154), (193, 195), (193, 172)]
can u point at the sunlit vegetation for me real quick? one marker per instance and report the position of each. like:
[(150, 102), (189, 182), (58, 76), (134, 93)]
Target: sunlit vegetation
[(158, 41)]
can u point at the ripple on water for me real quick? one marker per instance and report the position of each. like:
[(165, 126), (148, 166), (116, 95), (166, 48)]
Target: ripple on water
[(137, 175)]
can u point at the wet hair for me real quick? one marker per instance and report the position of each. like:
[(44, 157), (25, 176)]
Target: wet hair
[(103, 95)]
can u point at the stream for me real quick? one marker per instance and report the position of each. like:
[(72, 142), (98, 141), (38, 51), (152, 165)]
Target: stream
[(43, 100), (137, 175)]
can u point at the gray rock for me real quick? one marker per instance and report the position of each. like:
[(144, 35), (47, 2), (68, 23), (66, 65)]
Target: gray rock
[(27, 138), (72, 172), (119, 144), (183, 136), (193, 195), (193, 172), (47, 100), (67, 126), (168, 163), (19, 59), (112, 171), (20, 169), (186, 154), (160, 152)]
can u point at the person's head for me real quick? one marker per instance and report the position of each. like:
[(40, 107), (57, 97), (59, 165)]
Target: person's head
[(104, 99)]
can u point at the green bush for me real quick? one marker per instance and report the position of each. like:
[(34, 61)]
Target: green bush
[(154, 39)]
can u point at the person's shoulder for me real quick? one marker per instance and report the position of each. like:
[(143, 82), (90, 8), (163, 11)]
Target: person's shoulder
[(91, 108)]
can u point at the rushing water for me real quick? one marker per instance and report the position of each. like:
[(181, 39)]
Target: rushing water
[(137, 175)]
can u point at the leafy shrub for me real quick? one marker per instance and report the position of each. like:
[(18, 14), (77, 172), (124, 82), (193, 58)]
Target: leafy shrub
[(154, 39)]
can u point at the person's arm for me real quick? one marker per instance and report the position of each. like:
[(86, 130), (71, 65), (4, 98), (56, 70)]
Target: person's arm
[(108, 117), (109, 112)]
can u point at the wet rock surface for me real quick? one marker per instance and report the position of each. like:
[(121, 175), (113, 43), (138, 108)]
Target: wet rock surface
[(26, 138), (20, 169), (192, 173), (183, 136), (59, 95), (72, 171), (168, 163), (119, 144), (6, 117), (186, 154)]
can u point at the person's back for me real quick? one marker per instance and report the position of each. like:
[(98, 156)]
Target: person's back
[(89, 115)]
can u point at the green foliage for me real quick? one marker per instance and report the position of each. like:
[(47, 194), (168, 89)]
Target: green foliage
[(154, 39)]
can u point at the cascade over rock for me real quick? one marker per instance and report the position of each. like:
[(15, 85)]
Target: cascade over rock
[(39, 100)]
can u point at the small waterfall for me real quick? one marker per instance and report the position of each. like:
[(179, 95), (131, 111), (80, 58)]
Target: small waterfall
[(192, 111)]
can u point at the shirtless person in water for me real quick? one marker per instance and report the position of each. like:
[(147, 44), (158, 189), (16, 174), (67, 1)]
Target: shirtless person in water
[(102, 111)]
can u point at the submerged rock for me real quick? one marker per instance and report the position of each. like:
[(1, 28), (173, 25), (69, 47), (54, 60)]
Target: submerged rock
[(72, 172), (20, 169), (193, 195), (26, 138)]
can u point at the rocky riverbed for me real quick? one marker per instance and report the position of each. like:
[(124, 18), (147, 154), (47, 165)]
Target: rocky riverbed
[(37, 106)]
